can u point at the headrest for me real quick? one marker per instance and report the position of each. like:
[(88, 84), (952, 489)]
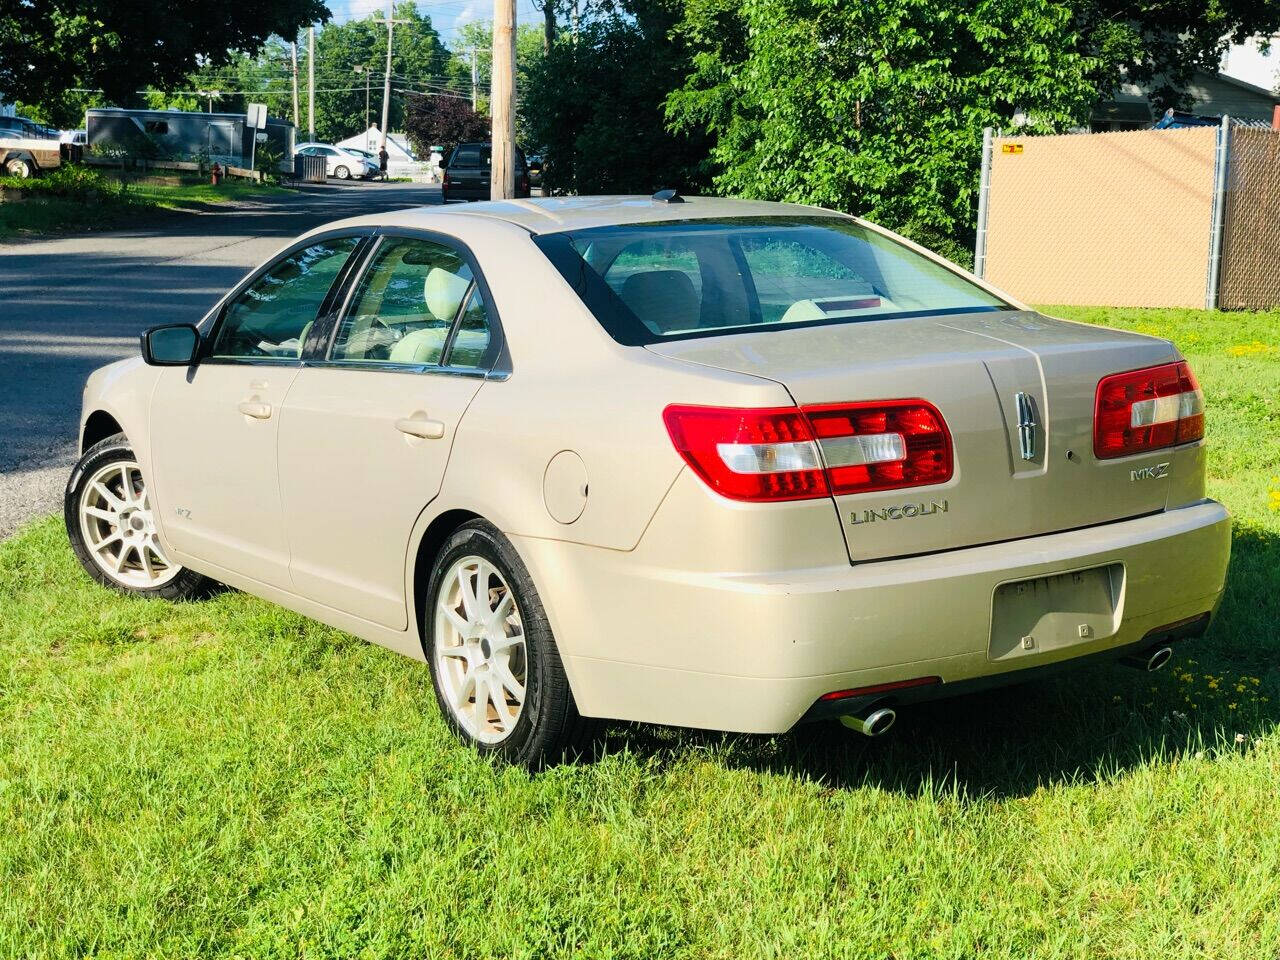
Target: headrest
[(420, 346), (443, 292), (663, 299)]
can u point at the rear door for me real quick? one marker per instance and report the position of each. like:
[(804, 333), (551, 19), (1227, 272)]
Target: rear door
[(368, 424)]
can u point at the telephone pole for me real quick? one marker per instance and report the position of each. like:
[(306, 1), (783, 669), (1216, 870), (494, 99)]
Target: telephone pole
[(386, 83), (311, 84), (293, 49), (502, 97), (475, 81)]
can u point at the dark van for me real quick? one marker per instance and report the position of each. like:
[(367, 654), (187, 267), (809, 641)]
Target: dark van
[(466, 172)]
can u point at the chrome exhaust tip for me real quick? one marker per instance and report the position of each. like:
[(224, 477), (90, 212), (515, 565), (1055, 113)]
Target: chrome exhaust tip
[(1149, 660), (873, 724)]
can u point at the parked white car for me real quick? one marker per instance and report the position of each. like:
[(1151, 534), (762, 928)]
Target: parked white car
[(703, 462), (340, 163)]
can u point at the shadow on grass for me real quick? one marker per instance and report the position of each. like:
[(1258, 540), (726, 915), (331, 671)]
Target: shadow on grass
[(1101, 721)]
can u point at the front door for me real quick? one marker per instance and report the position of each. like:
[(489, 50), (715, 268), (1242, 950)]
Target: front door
[(366, 430), (214, 426)]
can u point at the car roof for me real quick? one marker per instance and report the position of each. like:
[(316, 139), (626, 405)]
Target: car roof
[(562, 214)]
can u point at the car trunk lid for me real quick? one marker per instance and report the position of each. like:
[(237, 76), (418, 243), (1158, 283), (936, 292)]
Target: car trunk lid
[(1016, 390)]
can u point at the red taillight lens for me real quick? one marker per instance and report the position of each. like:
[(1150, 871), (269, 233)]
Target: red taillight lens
[(752, 454), (789, 453), (882, 445), (1146, 410)]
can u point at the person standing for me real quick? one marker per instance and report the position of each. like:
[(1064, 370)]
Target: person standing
[(382, 160)]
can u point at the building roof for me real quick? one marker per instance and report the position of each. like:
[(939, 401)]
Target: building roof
[(561, 214)]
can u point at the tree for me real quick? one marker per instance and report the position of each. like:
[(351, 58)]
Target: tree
[(595, 107), (442, 121), (477, 35), (878, 107), (51, 47)]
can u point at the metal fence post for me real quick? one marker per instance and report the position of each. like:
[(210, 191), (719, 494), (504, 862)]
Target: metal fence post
[(1218, 216), (984, 188)]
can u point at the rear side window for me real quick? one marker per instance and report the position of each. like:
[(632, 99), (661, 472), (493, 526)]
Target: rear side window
[(651, 282)]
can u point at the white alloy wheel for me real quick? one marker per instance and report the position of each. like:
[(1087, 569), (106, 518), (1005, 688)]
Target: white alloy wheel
[(119, 528), (342, 173), (480, 656), (19, 168)]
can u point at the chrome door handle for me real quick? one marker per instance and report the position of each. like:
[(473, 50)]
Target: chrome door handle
[(255, 408), (421, 427)]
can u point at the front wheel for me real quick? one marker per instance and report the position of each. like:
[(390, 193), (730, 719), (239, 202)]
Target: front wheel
[(112, 529), (342, 173), (494, 663)]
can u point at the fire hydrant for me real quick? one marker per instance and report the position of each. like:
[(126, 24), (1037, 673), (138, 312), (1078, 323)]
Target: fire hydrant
[(215, 175)]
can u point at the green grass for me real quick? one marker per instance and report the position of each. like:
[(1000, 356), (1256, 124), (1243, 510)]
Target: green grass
[(80, 199), (229, 779)]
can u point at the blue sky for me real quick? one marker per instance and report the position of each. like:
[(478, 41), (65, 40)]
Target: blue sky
[(446, 15)]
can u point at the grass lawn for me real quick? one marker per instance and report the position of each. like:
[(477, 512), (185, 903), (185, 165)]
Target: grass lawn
[(94, 201), (228, 779)]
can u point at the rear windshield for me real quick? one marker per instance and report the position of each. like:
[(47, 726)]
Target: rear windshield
[(647, 283)]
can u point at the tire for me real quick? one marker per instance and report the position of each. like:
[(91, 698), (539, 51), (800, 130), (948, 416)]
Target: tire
[(132, 562), (19, 167), (538, 723), (342, 173)]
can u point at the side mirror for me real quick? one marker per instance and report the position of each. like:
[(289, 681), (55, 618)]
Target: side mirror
[(173, 345)]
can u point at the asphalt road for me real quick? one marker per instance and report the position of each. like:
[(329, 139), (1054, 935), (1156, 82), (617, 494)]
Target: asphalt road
[(70, 304)]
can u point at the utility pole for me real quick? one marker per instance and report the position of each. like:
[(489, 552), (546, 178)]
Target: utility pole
[(502, 105), (386, 83), (475, 81), (548, 24), (360, 68), (293, 49), (575, 21), (311, 84)]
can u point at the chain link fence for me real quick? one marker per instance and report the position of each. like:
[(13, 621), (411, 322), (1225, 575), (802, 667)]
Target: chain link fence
[(1176, 218)]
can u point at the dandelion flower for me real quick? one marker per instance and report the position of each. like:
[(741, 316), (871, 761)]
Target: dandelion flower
[(1239, 738)]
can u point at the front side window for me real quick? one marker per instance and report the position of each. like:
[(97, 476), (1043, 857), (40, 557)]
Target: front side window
[(407, 305), (650, 282), (273, 316)]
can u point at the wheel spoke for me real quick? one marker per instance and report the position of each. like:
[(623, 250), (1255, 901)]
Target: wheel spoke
[(110, 516), (107, 541), (146, 562), (481, 715), (469, 603), (108, 495), (455, 620), (119, 559), (465, 690), (459, 651), (501, 611), (506, 716), (504, 642), (507, 680)]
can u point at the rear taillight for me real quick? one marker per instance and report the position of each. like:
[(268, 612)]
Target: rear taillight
[(790, 453), (1146, 410)]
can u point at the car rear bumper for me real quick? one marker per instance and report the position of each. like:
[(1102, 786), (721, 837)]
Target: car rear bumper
[(645, 640)]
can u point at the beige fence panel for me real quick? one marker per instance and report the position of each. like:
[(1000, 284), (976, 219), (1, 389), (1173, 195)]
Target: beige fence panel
[(1251, 246), (1112, 219)]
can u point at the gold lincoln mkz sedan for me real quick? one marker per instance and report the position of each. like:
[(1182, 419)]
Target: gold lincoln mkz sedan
[(690, 461)]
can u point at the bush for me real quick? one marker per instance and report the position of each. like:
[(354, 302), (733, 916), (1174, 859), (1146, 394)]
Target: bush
[(69, 180)]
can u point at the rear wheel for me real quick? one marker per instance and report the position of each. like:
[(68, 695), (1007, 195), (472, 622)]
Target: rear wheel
[(112, 528), (342, 173), (19, 167), (494, 663)]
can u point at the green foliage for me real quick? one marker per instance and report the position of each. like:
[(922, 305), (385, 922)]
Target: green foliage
[(228, 779), (442, 121), (594, 107), (49, 48), (477, 35), (878, 107)]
